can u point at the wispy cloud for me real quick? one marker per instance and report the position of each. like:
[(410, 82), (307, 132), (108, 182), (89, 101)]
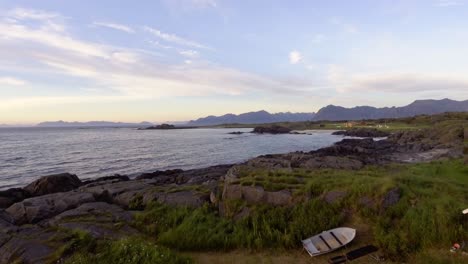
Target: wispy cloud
[(189, 53), (158, 45), (115, 26), (116, 73), (172, 38), (11, 81), (396, 82), (295, 57)]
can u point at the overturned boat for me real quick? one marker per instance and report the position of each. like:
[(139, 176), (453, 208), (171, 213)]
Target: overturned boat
[(329, 240)]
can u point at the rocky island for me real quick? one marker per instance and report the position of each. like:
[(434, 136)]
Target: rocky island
[(271, 201), (166, 127)]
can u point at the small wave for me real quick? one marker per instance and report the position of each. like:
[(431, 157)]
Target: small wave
[(15, 159)]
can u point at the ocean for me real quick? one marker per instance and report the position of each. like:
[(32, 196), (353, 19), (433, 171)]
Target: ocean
[(29, 153)]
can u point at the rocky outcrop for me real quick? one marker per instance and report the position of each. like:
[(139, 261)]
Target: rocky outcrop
[(271, 130), (362, 132), (29, 246), (12, 196), (236, 133), (107, 179), (6, 223), (99, 219), (164, 177), (256, 195), (53, 183), (195, 176), (33, 210), (332, 162)]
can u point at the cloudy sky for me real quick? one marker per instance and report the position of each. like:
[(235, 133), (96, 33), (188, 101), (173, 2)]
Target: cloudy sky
[(182, 59)]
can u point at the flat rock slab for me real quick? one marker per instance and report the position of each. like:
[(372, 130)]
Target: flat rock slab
[(35, 209), (95, 212), (29, 245), (109, 191), (99, 219)]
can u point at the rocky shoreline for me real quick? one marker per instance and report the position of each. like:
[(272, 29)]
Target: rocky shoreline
[(31, 216)]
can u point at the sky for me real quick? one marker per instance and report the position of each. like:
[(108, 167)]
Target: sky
[(175, 60)]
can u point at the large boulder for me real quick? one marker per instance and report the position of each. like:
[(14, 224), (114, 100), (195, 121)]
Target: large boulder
[(53, 184), (33, 210)]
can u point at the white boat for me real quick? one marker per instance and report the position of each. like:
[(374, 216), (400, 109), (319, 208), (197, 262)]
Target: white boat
[(465, 211), (328, 241)]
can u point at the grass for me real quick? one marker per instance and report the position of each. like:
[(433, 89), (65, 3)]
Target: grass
[(127, 251), (420, 220), (265, 227), (387, 124)]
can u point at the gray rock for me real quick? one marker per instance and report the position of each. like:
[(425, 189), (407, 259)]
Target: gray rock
[(107, 179), (96, 211), (332, 162), (30, 245), (362, 132), (99, 219), (367, 202), (279, 198), (391, 198), (33, 210), (11, 196), (253, 194), (53, 184), (6, 223), (256, 195), (244, 213), (117, 192), (184, 198), (232, 192)]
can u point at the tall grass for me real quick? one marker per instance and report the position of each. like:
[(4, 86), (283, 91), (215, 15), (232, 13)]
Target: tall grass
[(128, 251), (265, 227)]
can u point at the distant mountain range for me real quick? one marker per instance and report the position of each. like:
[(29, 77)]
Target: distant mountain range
[(334, 113), (418, 107), (92, 124), (252, 118), (330, 112)]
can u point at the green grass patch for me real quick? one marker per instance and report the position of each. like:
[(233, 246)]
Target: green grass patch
[(265, 227), (127, 251)]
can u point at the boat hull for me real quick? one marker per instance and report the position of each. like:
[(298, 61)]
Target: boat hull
[(328, 241)]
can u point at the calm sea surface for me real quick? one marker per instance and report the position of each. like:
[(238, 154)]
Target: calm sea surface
[(28, 153)]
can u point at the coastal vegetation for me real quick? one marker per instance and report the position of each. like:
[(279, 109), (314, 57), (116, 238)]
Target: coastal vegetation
[(403, 194), (417, 222)]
